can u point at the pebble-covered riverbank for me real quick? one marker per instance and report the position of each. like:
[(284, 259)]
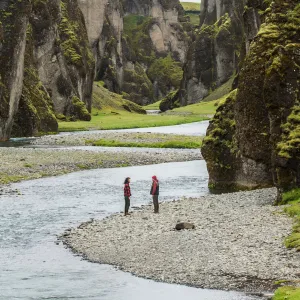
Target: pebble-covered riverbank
[(29, 163), (237, 243), (83, 138)]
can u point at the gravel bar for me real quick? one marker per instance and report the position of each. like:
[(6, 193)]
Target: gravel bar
[(80, 138), (238, 242)]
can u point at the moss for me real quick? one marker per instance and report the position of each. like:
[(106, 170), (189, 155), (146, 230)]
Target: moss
[(79, 110), (170, 101), (292, 198), (104, 100), (219, 146), (137, 84), (35, 113), (289, 146), (166, 72), (71, 30), (136, 30), (287, 293)]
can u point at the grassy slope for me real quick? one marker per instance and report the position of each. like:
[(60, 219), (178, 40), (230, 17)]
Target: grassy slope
[(193, 11), (203, 108), (191, 6), (292, 198), (220, 91), (108, 113), (106, 101), (153, 106)]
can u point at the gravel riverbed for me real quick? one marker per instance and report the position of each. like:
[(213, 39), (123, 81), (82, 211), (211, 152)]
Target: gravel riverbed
[(238, 242), (81, 139)]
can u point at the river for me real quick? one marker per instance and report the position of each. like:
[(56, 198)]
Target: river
[(34, 266)]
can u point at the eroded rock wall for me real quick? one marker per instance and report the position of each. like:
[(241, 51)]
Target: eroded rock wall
[(128, 36), (215, 54), (104, 21), (51, 38), (155, 48), (261, 130), (14, 19)]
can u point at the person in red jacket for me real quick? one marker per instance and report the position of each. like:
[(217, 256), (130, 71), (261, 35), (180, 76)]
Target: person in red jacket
[(155, 192), (127, 195)]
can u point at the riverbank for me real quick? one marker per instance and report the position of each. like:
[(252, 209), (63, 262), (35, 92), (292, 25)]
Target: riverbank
[(123, 139), (238, 242), (31, 163)]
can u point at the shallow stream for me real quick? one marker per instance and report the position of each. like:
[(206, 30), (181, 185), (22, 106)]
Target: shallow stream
[(34, 266)]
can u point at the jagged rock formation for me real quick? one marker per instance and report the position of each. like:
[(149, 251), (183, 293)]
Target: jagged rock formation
[(214, 56), (50, 37), (156, 45), (104, 21), (254, 138), (128, 37)]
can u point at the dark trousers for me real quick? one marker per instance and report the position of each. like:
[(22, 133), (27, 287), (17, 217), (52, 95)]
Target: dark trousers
[(127, 204), (155, 203)]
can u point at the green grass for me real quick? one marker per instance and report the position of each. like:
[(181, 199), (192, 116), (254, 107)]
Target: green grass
[(194, 18), (191, 6), (110, 111), (220, 91), (106, 101), (192, 144), (126, 120), (287, 293), (153, 106), (293, 209), (202, 108)]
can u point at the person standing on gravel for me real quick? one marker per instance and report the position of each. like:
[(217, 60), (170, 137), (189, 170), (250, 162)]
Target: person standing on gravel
[(127, 195), (155, 192)]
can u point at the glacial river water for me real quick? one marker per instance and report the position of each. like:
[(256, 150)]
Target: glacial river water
[(34, 266)]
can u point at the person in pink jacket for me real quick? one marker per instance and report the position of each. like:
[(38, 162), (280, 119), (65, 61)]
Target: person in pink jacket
[(155, 192)]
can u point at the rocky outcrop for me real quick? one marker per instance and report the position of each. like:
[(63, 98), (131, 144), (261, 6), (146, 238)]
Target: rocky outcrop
[(50, 37), (254, 138), (215, 54)]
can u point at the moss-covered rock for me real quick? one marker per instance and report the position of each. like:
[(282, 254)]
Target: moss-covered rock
[(266, 110), (14, 18), (214, 56), (59, 64), (170, 101), (35, 112), (220, 148)]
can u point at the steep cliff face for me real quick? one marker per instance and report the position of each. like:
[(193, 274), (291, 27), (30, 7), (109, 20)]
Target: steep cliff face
[(104, 21), (50, 37), (127, 37), (262, 136), (214, 56), (14, 18), (156, 44)]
